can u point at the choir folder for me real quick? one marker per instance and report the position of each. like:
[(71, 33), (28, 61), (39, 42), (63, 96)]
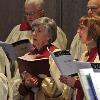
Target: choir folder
[(34, 67), (21, 47)]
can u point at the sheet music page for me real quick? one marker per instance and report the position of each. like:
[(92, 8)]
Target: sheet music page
[(65, 63), (9, 49), (22, 47)]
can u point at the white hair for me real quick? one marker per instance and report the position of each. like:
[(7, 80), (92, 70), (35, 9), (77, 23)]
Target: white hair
[(96, 2), (38, 3)]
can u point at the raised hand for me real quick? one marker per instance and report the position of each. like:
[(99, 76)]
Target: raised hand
[(68, 80)]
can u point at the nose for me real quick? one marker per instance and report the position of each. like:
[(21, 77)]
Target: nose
[(29, 17), (90, 12), (34, 34), (78, 31)]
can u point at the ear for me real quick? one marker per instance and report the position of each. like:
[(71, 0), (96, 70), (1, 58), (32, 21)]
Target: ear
[(50, 41), (49, 38)]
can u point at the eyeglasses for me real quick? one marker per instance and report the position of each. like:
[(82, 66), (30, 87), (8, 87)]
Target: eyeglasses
[(32, 13), (92, 8)]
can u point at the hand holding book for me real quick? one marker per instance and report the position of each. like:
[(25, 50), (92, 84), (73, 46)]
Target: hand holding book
[(68, 80), (29, 80)]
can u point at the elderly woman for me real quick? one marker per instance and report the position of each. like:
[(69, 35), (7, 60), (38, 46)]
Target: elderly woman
[(44, 31), (89, 32)]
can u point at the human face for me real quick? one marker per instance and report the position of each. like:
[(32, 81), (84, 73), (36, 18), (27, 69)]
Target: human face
[(32, 12), (83, 34), (93, 8), (40, 36)]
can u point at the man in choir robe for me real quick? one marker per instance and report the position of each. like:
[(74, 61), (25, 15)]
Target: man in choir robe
[(33, 10)]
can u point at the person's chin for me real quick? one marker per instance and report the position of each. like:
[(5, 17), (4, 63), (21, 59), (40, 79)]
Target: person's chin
[(82, 41), (30, 22)]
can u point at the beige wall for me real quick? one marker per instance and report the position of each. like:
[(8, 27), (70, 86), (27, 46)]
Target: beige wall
[(65, 12)]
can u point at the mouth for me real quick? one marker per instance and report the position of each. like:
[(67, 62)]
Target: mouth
[(30, 21), (34, 40), (80, 37)]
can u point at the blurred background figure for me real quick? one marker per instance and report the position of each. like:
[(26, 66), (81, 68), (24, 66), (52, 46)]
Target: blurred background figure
[(77, 47)]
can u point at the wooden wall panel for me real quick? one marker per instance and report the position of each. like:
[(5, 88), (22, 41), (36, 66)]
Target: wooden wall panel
[(11, 13), (72, 10)]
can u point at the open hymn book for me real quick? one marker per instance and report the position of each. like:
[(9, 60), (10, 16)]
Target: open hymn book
[(16, 49), (33, 66)]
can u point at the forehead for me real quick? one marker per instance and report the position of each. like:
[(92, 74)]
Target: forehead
[(94, 3), (81, 26), (39, 27), (31, 7)]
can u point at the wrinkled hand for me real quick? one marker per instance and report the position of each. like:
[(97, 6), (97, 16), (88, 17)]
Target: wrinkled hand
[(31, 81), (70, 81), (25, 75)]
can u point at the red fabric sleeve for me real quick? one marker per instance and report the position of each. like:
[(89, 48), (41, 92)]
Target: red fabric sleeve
[(80, 94)]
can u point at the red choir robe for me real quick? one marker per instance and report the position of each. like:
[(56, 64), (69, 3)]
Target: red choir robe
[(24, 26)]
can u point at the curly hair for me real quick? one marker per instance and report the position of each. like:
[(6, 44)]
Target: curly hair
[(50, 25)]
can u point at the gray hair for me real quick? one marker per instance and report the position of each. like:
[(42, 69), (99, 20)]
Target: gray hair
[(50, 26)]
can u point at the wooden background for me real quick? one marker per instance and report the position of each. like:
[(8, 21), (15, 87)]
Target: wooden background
[(65, 12)]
